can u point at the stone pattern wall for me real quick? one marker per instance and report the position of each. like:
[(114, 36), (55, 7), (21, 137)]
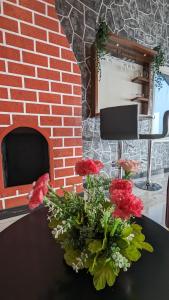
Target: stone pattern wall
[(147, 22)]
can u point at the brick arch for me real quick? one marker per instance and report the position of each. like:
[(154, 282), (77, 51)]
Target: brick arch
[(40, 86), (42, 131), (24, 124), (25, 153)]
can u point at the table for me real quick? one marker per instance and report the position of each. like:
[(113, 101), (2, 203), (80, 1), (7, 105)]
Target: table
[(32, 266)]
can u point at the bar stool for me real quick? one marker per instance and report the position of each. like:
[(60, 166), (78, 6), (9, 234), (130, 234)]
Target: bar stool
[(121, 123)]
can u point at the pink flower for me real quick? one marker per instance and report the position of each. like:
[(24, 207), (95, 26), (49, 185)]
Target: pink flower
[(42, 182), (36, 198), (129, 166), (88, 166), (40, 189), (44, 178), (127, 204), (121, 184)]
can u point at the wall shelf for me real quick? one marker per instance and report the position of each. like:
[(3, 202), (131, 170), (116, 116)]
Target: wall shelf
[(128, 50), (140, 80), (142, 117), (140, 99), (145, 90)]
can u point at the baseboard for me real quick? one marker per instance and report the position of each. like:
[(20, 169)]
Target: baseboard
[(13, 212), (154, 172), (17, 211)]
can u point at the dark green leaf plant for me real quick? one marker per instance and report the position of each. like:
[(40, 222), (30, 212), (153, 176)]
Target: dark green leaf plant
[(159, 61)]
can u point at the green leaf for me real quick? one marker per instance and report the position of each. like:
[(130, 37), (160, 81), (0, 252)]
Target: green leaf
[(115, 226), (147, 247), (139, 237), (53, 223), (105, 217), (132, 253), (136, 227), (88, 263), (122, 243), (137, 245), (127, 231), (110, 277), (102, 275), (95, 246), (70, 256)]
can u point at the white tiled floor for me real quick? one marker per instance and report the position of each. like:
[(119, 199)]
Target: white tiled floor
[(154, 202), (7, 222)]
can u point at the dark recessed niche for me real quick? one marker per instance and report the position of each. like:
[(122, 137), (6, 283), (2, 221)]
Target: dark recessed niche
[(25, 156)]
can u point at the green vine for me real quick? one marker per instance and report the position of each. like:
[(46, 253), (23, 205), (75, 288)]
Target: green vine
[(159, 61), (101, 39)]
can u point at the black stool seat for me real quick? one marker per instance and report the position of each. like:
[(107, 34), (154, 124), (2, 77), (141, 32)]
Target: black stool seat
[(121, 123)]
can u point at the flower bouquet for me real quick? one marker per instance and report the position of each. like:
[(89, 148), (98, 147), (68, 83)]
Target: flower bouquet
[(129, 167), (97, 233)]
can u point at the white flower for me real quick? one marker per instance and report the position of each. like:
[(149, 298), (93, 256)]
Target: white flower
[(119, 260), (130, 237), (58, 231), (80, 264)]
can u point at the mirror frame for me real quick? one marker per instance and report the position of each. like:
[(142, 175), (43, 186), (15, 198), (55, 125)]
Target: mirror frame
[(122, 48)]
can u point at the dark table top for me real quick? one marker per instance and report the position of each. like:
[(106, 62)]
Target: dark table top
[(32, 267)]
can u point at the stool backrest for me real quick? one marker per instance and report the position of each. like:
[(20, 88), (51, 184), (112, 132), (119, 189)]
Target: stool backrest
[(119, 122), (166, 124), (167, 206)]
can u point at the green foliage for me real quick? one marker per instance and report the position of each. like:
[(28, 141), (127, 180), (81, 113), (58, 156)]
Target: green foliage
[(103, 273), (101, 39), (132, 253), (95, 246), (159, 61), (70, 256), (91, 237)]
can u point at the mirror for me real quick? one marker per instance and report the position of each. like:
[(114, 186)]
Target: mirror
[(116, 87), (160, 101), (124, 77)]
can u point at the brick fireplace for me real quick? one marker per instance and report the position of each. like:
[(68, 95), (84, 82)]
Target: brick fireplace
[(40, 101)]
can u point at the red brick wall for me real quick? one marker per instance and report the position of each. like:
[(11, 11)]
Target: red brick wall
[(40, 88)]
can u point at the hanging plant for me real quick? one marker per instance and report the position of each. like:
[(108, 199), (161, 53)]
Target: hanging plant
[(159, 61), (101, 40)]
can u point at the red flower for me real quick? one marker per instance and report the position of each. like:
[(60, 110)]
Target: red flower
[(88, 166), (127, 204), (121, 184), (118, 213), (40, 189), (99, 164)]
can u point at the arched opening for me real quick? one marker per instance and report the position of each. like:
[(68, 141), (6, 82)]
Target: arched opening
[(25, 156)]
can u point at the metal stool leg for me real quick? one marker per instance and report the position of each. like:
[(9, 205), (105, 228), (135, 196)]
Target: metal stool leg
[(148, 185), (120, 153)]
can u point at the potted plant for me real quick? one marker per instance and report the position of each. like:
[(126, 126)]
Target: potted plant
[(98, 233)]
